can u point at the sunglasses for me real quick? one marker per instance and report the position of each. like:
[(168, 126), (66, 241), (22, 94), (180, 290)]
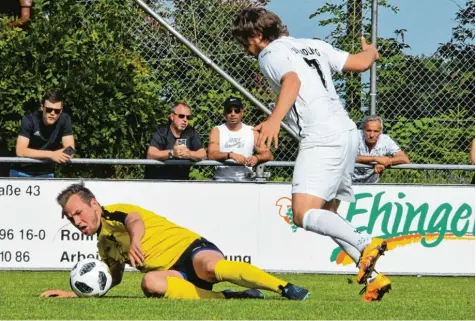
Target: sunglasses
[(182, 116), (235, 109), (49, 110)]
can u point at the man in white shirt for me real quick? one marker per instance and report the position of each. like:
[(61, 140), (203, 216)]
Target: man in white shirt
[(236, 141), (376, 148), (300, 70)]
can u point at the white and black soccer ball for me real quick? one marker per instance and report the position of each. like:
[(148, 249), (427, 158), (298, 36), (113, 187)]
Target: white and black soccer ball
[(90, 277)]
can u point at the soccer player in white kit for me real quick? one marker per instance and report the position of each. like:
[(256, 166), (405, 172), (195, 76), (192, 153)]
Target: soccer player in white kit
[(301, 71)]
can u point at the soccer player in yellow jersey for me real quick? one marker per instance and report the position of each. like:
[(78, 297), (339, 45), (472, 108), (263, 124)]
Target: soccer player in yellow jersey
[(178, 263)]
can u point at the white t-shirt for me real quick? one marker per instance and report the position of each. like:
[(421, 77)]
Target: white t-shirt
[(318, 111), (241, 142), (385, 146)]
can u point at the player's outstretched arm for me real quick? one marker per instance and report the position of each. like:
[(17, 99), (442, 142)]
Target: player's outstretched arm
[(58, 294), (262, 155), (269, 129), (363, 60)]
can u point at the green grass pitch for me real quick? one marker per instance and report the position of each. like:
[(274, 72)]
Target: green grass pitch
[(333, 297)]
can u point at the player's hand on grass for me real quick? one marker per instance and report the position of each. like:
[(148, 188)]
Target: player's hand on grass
[(240, 159), (268, 132), (59, 157), (370, 47), (136, 256), (58, 294)]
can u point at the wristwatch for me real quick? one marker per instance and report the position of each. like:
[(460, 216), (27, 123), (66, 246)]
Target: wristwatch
[(171, 154)]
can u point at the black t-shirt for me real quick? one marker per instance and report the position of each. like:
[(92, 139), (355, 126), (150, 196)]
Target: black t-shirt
[(43, 137), (10, 7), (164, 139)]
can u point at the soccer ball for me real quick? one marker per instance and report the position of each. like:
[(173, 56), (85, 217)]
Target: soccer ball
[(90, 277)]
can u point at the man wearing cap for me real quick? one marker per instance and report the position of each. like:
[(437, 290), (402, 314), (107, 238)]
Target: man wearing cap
[(235, 141)]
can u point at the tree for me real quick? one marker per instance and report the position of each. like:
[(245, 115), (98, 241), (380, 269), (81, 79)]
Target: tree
[(458, 55), (107, 88), (426, 102), (349, 25), (119, 71)]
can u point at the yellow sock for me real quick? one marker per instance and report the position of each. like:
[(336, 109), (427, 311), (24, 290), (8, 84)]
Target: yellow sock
[(247, 275), (182, 289)]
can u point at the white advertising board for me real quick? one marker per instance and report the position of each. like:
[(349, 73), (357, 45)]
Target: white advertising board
[(430, 229)]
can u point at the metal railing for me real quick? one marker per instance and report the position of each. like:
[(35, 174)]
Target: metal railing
[(96, 161), (271, 171)]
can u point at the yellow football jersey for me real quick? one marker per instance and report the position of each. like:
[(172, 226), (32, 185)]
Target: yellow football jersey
[(163, 242)]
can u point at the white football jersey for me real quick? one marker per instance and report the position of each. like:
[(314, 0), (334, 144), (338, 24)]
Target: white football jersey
[(317, 112)]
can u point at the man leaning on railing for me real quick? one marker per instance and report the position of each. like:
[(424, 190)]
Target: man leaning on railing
[(176, 140), (377, 149), (41, 135), (235, 141)]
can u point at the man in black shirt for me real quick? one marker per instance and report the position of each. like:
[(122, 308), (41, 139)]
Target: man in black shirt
[(177, 140), (41, 135)]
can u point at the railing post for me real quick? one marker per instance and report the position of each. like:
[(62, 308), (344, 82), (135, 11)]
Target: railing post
[(373, 69), (261, 175)]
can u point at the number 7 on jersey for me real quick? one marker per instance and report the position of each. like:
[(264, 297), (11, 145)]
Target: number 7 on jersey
[(314, 63)]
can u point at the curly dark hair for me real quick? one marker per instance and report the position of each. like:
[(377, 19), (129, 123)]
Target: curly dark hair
[(251, 21)]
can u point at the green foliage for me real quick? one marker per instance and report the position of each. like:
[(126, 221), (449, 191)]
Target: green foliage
[(426, 102), (190, 79), (349, 24), (108, 90), (116, 94), (120, 70), (433, 140)]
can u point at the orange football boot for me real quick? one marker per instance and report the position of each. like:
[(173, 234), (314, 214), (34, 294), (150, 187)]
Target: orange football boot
[(376, 289), (369, 258)]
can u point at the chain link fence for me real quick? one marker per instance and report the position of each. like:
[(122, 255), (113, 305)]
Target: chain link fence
[(427, 102)]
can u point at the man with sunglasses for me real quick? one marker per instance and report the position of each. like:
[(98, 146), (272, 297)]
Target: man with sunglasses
[(176, 140), (236, 141), (44, 134)]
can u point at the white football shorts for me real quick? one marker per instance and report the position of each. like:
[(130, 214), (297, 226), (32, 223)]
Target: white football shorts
[(324, 166)]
